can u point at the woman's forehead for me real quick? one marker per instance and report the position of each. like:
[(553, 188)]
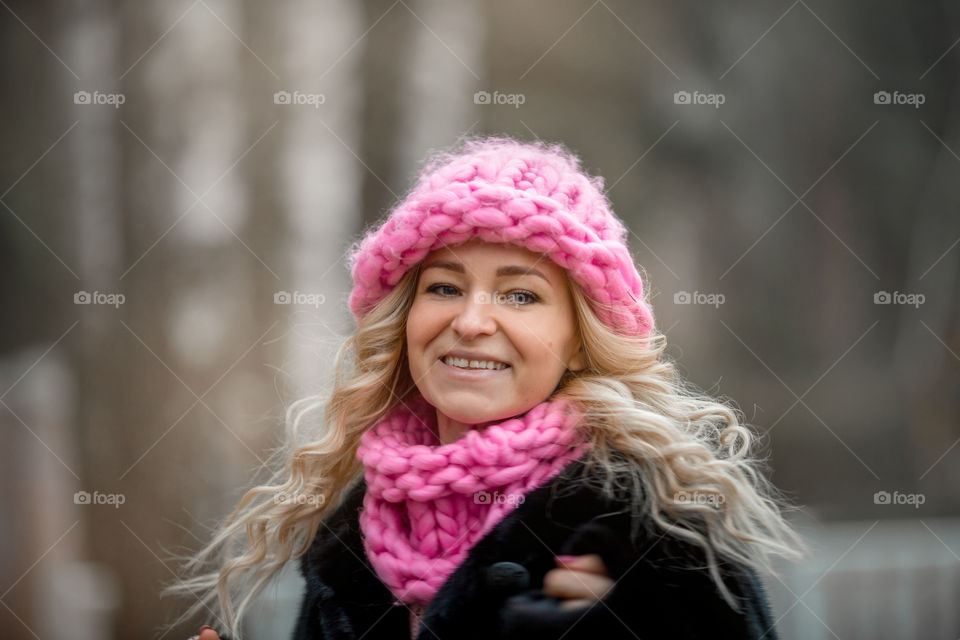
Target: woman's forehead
[(478, 256), (476, 249)]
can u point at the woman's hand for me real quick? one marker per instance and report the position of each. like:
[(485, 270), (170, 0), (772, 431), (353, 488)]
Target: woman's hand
[(579, 581), (206, 633)]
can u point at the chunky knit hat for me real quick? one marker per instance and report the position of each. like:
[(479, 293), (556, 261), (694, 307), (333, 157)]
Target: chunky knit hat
[(499, 190)]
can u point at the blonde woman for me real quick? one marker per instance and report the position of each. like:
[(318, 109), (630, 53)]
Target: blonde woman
[(506, 452)]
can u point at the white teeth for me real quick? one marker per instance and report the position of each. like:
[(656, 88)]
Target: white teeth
[(463, 363)]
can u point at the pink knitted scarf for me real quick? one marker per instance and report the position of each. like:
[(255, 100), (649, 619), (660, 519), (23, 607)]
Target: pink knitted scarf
[(427, 504)]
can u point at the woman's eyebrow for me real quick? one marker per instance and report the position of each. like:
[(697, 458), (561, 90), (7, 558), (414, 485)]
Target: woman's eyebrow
[(510, 270), (516, 270)]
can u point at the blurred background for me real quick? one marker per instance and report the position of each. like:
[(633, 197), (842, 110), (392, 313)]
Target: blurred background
[(180, 181)]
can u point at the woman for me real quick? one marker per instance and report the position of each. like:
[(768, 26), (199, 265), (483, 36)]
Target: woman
[(506, 451)]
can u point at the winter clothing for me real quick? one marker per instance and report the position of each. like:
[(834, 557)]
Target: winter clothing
[(427, 504), (662, 588), (411, 532), (529, 195)]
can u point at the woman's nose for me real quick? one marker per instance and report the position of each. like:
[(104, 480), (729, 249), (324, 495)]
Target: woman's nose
[(475, 316)]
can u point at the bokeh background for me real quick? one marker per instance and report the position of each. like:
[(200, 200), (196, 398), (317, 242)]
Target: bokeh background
[(180, 181)]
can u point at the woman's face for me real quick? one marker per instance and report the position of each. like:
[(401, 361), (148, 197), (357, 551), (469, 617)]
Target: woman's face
[(491, 331)]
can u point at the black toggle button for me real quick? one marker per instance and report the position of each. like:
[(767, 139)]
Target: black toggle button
[(507, 577)]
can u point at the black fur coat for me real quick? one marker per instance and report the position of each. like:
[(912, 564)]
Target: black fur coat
[(662, 588)]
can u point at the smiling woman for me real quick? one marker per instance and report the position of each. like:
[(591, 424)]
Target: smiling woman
[(507, 452), (487, 341)]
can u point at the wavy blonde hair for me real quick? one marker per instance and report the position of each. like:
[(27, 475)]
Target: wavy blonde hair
[(682, 458)]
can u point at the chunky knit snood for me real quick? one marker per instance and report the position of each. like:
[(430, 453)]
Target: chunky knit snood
[(427, 504)]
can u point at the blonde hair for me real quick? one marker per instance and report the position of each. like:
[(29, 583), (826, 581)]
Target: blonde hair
[(681, 458), (684, 459)]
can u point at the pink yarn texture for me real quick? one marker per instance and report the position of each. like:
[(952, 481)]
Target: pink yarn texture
[(427, 504), (501, 190)]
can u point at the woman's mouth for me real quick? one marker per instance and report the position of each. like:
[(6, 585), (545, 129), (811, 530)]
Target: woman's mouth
[(466, 369), (464, 363)]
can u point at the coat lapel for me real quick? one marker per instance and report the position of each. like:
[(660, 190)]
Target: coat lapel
[(349, 600), (530, 536)]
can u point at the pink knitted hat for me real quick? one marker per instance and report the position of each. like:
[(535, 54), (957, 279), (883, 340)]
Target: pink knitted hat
[(500, 190)]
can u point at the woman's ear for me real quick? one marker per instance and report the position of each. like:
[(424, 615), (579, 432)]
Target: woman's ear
[(578, 361)]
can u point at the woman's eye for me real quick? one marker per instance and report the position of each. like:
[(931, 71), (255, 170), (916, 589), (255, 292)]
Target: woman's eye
[(442, 289), (515, 298), (520, 297)]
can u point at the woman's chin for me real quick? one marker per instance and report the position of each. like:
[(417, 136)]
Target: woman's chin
[(481, 415)]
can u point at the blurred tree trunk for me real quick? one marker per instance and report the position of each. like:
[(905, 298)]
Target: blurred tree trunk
[(127, 399), (267, 229), (37, 311), (384, 72)]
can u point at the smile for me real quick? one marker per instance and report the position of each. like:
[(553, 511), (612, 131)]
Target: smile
[(472, 368), (463, 363)]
